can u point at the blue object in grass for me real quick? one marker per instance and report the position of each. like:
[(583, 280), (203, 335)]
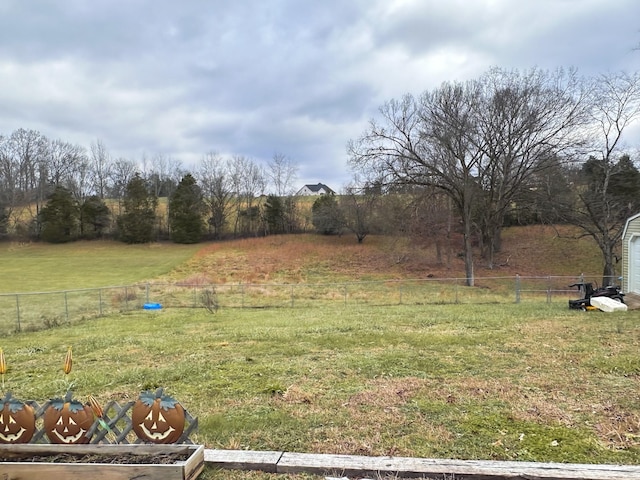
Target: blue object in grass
[(152, 306)]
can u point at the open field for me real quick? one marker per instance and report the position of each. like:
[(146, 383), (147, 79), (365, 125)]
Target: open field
[(308, 258), (38, 267), (494, 381), (519, 382)]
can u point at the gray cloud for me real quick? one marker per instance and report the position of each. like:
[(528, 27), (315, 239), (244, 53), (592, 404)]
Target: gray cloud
[(254, 78)]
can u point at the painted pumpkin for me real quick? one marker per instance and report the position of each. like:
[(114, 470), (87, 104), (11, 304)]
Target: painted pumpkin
[(17, 421), (67, 421), (157, 418)]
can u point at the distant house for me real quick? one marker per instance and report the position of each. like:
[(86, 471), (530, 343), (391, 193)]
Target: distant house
[(319, 189)]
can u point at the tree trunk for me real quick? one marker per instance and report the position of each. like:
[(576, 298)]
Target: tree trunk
[(608, 272), (468, 254)]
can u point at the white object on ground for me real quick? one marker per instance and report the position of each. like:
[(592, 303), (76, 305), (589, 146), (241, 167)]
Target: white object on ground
[(607, 304)]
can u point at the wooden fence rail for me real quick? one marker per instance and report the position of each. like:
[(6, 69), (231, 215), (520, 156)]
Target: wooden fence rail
[(339, 466)]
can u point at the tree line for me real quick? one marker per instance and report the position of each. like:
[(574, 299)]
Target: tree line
[(462, 159), (56, 191)]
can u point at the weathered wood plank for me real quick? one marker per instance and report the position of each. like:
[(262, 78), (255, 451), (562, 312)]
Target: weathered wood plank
[(194, 464), (9, 451), (265, 461), (74, 471), (184, 470), (339, 465)]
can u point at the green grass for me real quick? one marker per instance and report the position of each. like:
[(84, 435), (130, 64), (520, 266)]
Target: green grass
[(510, 382), (36, 267), (372, 377)]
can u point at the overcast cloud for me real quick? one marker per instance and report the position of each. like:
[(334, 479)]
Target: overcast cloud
[(259, 77)]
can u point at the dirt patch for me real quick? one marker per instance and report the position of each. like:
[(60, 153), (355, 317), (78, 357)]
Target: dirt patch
[(387, 394)]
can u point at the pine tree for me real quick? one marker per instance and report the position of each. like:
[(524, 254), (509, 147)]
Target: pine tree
[(274, 215), (327, 216), (94, 217), (137, 223), (59, 217), (186, 212)]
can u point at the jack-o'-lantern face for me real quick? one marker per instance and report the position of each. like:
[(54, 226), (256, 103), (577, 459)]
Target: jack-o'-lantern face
[(67, 421), (157, 418), (17, 421)]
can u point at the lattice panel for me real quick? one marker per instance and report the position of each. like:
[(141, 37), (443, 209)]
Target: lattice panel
[(117, 417)]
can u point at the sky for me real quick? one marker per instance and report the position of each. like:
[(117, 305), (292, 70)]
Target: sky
[(259, 78)]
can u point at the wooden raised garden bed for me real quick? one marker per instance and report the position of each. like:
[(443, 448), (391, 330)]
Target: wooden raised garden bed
[(103, 462)]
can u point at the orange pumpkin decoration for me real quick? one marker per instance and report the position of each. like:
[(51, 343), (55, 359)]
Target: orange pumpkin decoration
[(67, 421), (157, 418), (17, 421)]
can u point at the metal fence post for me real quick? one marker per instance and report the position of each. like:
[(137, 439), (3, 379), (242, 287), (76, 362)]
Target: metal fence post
[(18, 312), (517, 288), (147, 293), (66, 307), (548, 289)]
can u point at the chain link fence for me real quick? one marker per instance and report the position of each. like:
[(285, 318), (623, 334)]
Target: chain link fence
[(41, 310)]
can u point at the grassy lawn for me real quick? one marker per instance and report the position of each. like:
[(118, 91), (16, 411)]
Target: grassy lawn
[(530, 381), (36, 267), (516, 382)]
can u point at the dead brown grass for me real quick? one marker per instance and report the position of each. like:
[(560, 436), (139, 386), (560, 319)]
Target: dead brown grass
[(620, 429), (309, 258)]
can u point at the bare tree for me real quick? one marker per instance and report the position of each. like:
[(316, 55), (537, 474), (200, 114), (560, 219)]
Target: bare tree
[(357, 206), (28, 153), (430, 143), (163, 173), (525, 120), (248, 181), (100, 161), (214, 178), (79, 180), (282, 173), (122, 172), (612, 181), (477, 142), (8, 178), (64, 160)]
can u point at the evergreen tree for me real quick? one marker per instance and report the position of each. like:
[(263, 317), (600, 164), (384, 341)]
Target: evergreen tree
[(186, 211), (94, 217), (326, 215), (274, 215), (137, 223), (59, 218)]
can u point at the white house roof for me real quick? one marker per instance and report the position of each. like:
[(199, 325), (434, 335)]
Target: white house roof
[(317, 187)]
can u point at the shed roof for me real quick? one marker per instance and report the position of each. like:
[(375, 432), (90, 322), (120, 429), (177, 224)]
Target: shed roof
[(626, 224)]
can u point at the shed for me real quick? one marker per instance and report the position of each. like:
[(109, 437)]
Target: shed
[(631, 255)]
